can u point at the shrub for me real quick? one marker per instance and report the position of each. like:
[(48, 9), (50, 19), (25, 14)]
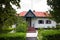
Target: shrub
[(52, 37), (48, 27), (13, 36), (58, 27), (53, 27), (40, 28), (6, 30), (49, 34), (21, 25)]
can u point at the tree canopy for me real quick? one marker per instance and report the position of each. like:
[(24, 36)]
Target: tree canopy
[(7, 13), (55, 5)]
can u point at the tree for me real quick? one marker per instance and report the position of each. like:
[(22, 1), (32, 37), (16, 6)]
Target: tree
[(7, 13), (55, 5)]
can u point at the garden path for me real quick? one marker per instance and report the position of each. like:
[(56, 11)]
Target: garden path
[(31, 34)]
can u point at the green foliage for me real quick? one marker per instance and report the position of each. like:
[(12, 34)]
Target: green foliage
[(49, 34), (48, 27), (6, 29), (39, 35), (13, 36), (55, 5), (21, 25), (58, 27), (53, 27), (7, 13), (40, 28)]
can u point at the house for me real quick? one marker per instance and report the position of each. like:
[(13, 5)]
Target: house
[(38, 19)]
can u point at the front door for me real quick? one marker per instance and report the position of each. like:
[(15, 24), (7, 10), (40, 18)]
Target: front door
[(29, 21)]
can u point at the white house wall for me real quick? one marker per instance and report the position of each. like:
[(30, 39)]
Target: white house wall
[(34, 23)]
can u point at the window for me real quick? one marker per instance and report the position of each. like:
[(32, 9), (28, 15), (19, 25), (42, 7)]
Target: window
[(48, 22), (40, 21)]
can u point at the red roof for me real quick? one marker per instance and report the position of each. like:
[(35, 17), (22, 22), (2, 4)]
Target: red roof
[(22, 13), (37, 14)]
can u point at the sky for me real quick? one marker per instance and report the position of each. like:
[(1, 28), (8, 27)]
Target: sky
[(37, 5)]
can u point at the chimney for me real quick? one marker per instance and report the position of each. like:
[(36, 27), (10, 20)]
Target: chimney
[(46, 11), (33, 10)]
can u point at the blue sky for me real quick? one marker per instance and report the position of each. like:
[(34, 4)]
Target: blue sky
[(37, 5)]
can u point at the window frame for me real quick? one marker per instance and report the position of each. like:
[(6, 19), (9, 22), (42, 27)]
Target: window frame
[(48, 21), (40, 21)]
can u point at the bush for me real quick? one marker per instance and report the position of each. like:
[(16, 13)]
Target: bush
[(53, 27), (58, 27), (48, 27), (52, 37), (13, 36), (40, 28), (49, 34), (21, 25), (6, 30)]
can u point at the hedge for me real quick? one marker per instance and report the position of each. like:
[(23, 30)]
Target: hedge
[(49, 34), (13, 36)]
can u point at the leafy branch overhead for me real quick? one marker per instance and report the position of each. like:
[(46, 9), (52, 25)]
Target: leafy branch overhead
[(7, 13), (55, 5)]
